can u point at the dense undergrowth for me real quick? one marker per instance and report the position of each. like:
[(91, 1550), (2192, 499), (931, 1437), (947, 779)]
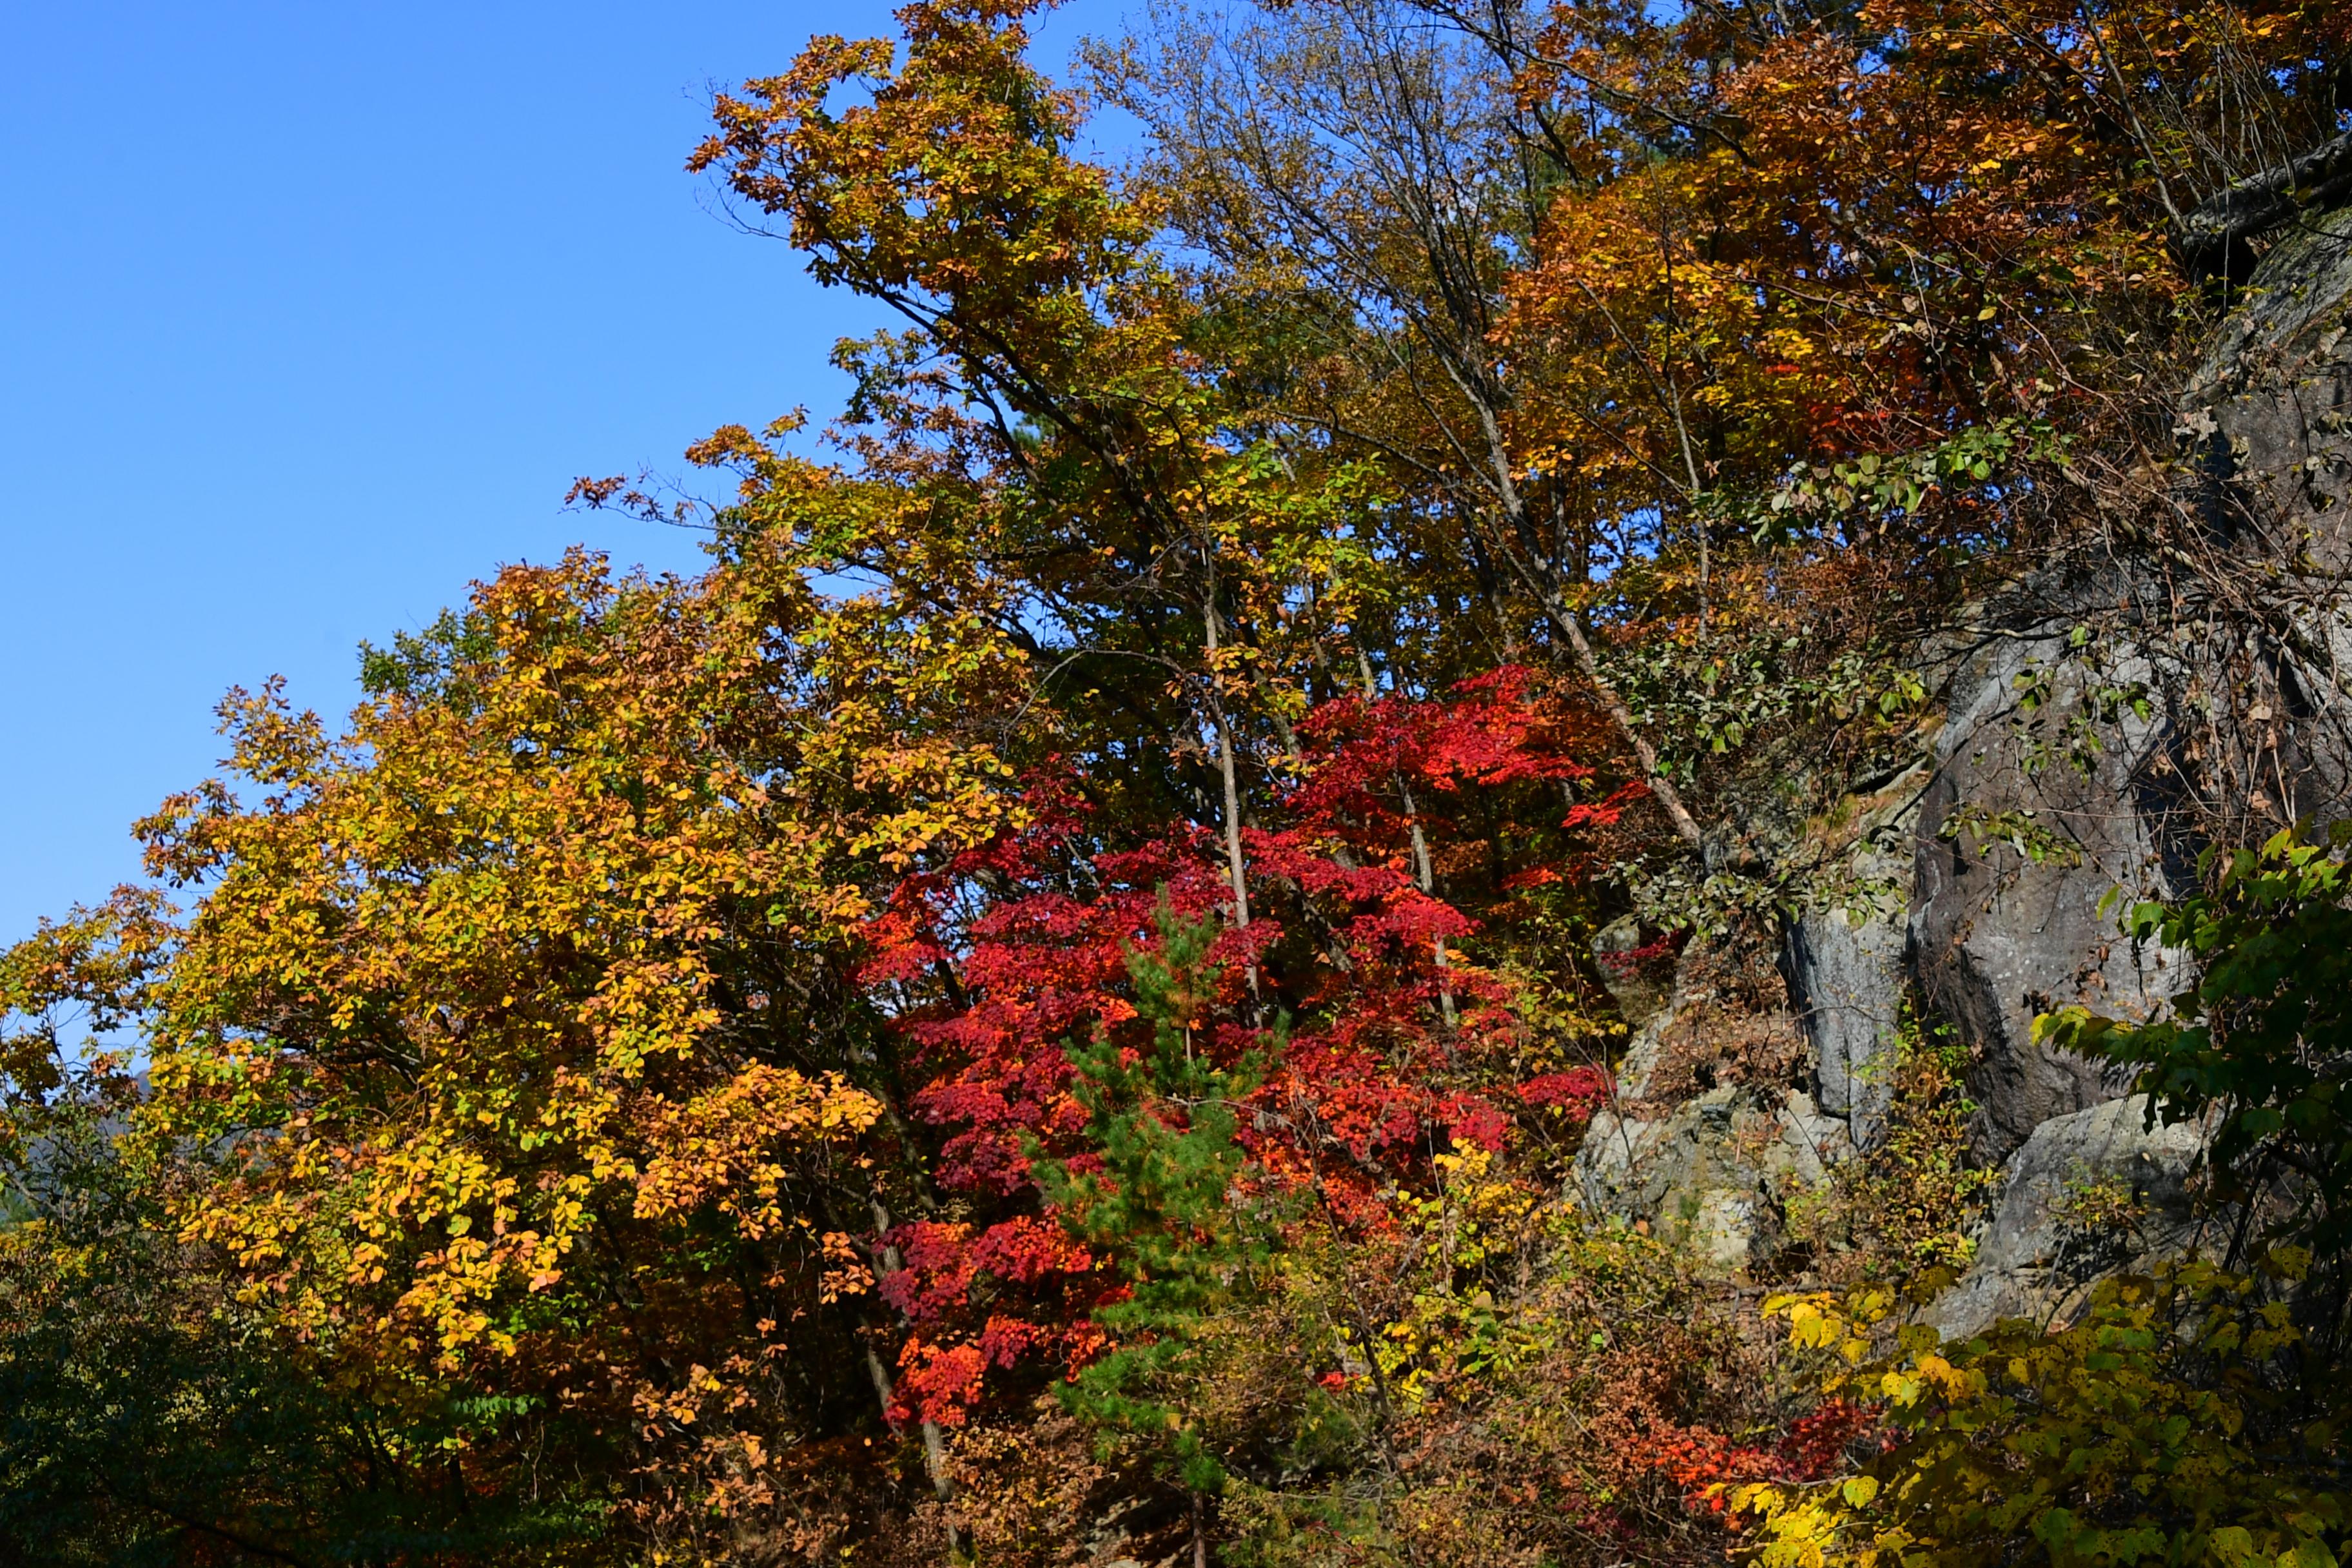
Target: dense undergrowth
[(1040, 1010)]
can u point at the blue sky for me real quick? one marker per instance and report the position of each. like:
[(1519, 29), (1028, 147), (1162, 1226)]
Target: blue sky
[(308, 314)]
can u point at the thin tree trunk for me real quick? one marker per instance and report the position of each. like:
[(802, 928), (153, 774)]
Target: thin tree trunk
[(1234, 864), (1425, 872), (935, 1449), (1669, 799), (1571, 626), (1237, 866), (1426, 875)]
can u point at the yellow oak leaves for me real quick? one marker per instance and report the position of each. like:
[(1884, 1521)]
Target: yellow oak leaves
[(535, 973)]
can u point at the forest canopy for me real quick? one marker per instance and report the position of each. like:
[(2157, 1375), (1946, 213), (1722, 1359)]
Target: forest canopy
[(1040, 1009)]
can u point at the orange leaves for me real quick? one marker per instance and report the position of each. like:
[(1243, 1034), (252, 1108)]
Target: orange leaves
[(1797, 245), (943, 189), (517, 1014), (725, 1150)]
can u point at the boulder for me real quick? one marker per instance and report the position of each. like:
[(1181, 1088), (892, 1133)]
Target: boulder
[(1846, 983), (1714, 1173), (2088, 1193), (2047, 795)]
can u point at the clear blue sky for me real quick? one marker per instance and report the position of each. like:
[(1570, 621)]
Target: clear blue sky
[(308, 314)]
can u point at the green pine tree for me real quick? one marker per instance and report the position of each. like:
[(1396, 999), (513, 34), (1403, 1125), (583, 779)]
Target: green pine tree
[(1160, 1205)]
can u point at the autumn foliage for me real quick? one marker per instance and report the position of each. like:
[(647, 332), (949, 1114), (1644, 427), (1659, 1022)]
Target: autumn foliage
[(1043, 1004)]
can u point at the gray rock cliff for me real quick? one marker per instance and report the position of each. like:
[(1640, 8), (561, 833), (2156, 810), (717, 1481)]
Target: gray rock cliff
[(2102, 719), (2036, 811)]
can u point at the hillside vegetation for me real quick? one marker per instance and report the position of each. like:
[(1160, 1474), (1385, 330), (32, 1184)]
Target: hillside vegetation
[(1045, 1008)]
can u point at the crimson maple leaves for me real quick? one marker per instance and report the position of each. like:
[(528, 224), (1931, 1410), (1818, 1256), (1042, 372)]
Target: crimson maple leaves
[(1389, 1043)]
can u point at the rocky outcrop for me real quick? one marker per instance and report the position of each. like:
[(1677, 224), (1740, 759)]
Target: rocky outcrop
[(1846, 972), (2040, 804), (2269, 416), (2272, 387), (2088, 1193), (2085, 713), (1847, 959), (2080, 724), (1713, 1174), (2064, 771), (1708, 1138), (2060, 774)]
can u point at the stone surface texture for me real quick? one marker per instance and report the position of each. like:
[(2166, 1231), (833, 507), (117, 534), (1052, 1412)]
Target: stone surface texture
[(2087, 1194), (1847, 962), (1982, 881), (2004, 928), (1715, 1173)]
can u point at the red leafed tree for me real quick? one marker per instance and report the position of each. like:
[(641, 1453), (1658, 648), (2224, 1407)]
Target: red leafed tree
[(1416, 824)]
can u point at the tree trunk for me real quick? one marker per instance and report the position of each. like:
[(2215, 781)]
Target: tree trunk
[(1571, 627), (935, 1449), (1425, 872), (1237, 866)]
